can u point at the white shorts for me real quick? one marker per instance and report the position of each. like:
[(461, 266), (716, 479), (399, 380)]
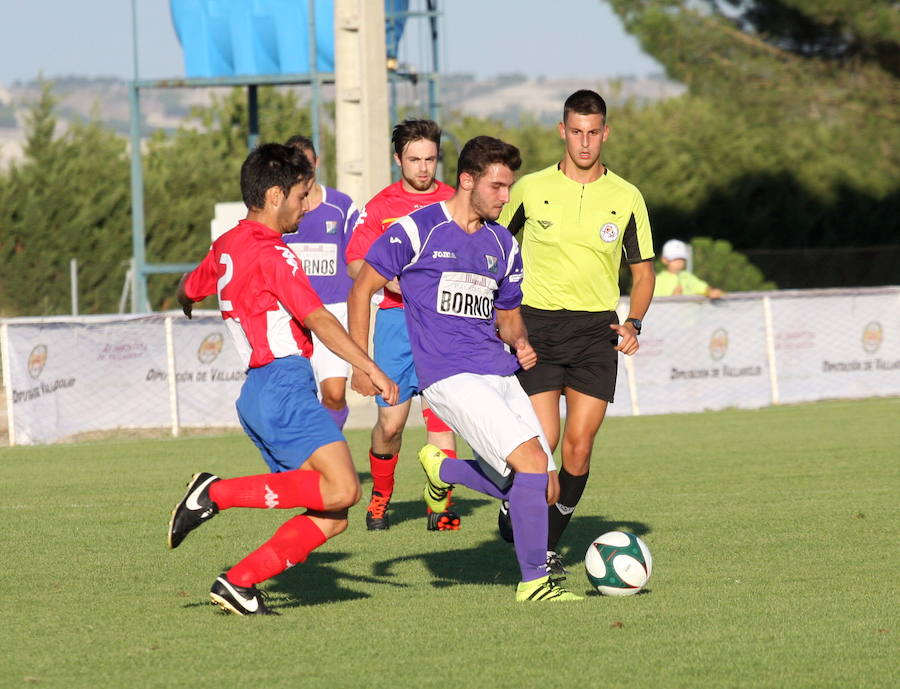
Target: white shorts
[(325, 363), (492, 413)]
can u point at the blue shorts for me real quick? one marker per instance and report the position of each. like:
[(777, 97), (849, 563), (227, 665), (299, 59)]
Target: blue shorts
[(393, 353), (281, 413)]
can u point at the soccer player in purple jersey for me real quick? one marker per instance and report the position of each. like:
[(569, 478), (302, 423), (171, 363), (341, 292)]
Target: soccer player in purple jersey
[(319, 242), (461, 275)]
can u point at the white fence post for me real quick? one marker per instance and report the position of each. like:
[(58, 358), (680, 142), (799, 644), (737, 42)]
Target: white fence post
[(73, 284), (770, 349), (632, 385), (173, 383), (7, 381)]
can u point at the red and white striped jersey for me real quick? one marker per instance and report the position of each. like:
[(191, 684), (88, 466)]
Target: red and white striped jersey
[(264, 295)]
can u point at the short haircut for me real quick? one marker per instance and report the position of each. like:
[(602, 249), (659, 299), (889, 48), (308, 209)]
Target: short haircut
[(412, 130), (483, 151), (272, 165), (302, 144), (585, 102)]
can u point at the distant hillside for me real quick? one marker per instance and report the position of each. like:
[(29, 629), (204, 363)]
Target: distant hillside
[(508, 98)]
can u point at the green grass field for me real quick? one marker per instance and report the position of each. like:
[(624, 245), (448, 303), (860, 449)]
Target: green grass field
[(774, 535)]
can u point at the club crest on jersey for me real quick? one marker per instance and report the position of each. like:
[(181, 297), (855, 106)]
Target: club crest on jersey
[(331, 227), (609, 232), (491, 263)]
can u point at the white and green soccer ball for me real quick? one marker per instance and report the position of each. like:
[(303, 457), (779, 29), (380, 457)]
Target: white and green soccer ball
[(618, 563)]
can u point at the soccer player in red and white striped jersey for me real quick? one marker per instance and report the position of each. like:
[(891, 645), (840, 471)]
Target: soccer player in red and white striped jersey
[(270, 309)]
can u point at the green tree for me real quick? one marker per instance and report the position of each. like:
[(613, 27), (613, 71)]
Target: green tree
[(716, 262), (788, 136), (188, 172), (67, 199), (538, 144)]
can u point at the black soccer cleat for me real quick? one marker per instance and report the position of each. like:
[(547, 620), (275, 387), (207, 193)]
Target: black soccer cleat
[(376, 513), (194, 509), (240, 600), (504, 523), (443, 521)]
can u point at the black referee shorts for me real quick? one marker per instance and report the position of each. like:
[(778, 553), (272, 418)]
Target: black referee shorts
[(574, 349)]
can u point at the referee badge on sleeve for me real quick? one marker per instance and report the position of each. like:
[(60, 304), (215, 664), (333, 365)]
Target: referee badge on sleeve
[(609, 232)]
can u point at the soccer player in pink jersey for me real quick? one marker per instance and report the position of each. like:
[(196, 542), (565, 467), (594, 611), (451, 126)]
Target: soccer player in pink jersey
[(416, 149), (270, 309)]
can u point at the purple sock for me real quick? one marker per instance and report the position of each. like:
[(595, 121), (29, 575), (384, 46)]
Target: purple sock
[(466, 472), (339, 416), (528, 511)]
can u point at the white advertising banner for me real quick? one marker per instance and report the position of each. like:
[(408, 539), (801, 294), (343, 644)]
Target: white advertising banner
[(67, 378), (71, 375), (208, 371), (696, 356), (837, 346)]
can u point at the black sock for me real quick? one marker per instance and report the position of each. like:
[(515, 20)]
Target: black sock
[(570, 490)]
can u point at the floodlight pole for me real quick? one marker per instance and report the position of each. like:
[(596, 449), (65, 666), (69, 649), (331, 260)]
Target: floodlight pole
[(313, 75), (139, 286), (434, 108), (253, 116)]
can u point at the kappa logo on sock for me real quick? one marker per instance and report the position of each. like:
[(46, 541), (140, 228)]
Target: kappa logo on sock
[(271, 498), (564, 509)]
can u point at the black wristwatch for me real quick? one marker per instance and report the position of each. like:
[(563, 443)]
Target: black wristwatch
[(636, 324)]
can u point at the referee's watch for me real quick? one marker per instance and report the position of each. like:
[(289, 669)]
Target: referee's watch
[(635, 323)]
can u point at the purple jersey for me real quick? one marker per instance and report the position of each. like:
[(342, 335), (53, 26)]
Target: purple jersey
[(452, 281), (320, 241)]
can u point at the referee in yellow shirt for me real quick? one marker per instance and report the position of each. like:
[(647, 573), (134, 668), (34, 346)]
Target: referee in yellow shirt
[(575, 220)]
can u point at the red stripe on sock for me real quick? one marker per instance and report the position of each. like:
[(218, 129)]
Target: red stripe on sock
[(434, 423), (287, 490), (450, 453), (290, 545)]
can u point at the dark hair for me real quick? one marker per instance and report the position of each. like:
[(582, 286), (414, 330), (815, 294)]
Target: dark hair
[(272, 165), (483, 151), (585, 102), (412, 130), (302, 144)]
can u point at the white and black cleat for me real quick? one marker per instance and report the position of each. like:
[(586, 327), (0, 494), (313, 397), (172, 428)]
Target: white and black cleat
[(555, 567), (240, 600), (195, 508)]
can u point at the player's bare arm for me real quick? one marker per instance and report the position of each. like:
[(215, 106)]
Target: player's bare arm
[(328, 329), (511, 330), (354, 267), (643, 279), (367, 282)]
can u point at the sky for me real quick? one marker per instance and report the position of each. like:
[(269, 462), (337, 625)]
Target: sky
[(93, 38)]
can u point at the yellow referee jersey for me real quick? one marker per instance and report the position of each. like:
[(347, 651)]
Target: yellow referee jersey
[(573, 237)]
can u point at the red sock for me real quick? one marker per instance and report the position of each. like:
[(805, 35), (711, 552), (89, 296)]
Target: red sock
[(291, 544), (382, 474), (450, 453), (287, 490)]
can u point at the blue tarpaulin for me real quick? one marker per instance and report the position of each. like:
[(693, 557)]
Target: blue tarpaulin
[(223, 38)]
